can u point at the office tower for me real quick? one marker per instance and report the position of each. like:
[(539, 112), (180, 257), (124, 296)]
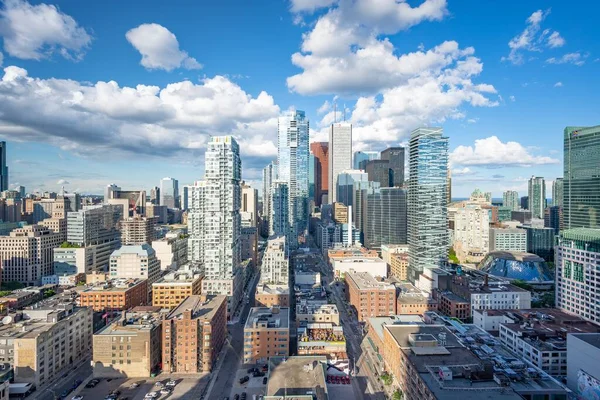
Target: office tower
[(340, 155), (508, 239), (269, 175), (42, 209), (135, 262), (379, 171), (21, 190), (26, 254), (582, 177), (155, 195), (359, 202), (137, 230), (249, 210), (553, 218), (510, 199), (385, 218), (202, 317), (292, 164), (169, 192), (109, 190), (3, 168), (214, 222), (428, 237), (525, 202), (557, 192), (321, 152), (577, 262), (279, 223), (537, 196), (540, 241), (362, 157), (311, 177), (346, 182), (96, 226), (184, 198), (471, 233), (395, 157), (449, 184), (275, 263)]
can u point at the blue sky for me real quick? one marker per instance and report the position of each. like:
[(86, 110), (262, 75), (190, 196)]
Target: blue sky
[(101, 92)]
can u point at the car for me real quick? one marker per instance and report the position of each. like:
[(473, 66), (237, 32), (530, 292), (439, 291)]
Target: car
[(265, 368), (159, 384), (134, 385), (116, 393), (243, 397), (171, 383), (151, 395), (244, 380), (78, 397), (265, 380), (236, 397), (66, 393), (91, 384), (109, 379), (165, 391), (251, 370)]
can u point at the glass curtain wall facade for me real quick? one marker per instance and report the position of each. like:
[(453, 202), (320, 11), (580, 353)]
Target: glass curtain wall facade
[(537, 197), (385, 221), (428, 236), (581, 177)]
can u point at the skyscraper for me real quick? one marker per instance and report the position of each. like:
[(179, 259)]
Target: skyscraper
[(582, 177), (557, 192), (321, 153), (428, 237), (214, 222), (169, 192), (395, 157), (385, 221), (184, 199), (362, 157), (3, 168), (340, 155), (108, 192), (269, 175), (292, 163), (311, 177), (249, 207), (537, 196), (279, 223), (510, 199), (379, 171), (155, 195), (346, 183)]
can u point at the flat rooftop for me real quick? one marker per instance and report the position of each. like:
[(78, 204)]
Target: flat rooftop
[(312, 308), (202, 306), (366, 281), (114, 285), (297, 376), (178, 278), (274, 317), (410, 294), (272, 289), (134, 321), (377, 323)]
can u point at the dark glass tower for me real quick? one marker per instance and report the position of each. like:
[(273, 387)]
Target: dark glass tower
[(3, 168)]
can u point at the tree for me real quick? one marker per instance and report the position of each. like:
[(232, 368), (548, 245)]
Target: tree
[(12, 285), (452, 256), (5, 293), (49, 293), (397, 395), (386, 378), (522, 284)]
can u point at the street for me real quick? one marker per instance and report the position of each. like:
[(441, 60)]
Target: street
[(81, 372)]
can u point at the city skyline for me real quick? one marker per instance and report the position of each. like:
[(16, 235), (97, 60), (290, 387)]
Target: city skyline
[(487, 147)]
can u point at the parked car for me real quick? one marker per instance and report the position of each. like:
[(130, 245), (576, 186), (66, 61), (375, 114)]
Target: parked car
[(159, 384), (251, 370), (78, 397), (66, 393), (258, 374), (171, 383), (244, 380), (243, 396), (236, 397), (165, 391), (265, 380), (265, 368), (134, 385), (151, 395), (91, 384)]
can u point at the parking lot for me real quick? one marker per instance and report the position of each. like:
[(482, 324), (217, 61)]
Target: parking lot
[(189, 387), (254, 386)]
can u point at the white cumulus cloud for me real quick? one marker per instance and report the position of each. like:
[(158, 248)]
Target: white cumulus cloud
[(159, 48), (492, 152), (575, 58), (92, 119), (310, 5), (35, 32)]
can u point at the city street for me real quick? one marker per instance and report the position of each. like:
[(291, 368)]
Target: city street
[(81, 372)]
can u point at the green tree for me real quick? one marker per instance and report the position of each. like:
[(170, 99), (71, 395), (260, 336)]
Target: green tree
[(386, 378), (5, 293), (452, 256), (12, 285), (522, 284), (49, 293), (67, 245), (397, 395)]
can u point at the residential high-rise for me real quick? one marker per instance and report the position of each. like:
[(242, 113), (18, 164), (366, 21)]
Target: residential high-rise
[(137, 230), (510, 199), (173, 288), (204, 320), (292, 163), (428, 237), (3, 168), (471, 233), (557, 192), (279, 222), (184, 199), (155, 195), (582, 177), (321, 152), (214, 222), (169, 192), (266, 334), (269, 175), (577, 265), (275, 263), (379, 171), (395, 157), (135, 262), (340, 155), (385, 218), (249, 210), (362, 157), (537, 196)]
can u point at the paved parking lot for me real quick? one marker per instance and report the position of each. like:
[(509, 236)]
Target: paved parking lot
[(253, 386), (189, 387)]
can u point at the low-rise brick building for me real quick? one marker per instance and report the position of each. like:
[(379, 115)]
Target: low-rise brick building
[(370, 297)]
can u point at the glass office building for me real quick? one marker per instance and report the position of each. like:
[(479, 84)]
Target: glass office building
[(581, 186), (428, 236)]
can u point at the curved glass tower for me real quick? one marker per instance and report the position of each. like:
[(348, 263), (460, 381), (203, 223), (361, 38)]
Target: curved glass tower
[(428, 237)]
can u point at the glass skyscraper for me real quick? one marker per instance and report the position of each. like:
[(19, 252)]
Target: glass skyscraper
[(537, 196), (3, 168), (581, 191), (362, 157), (169, 192), (292, 163), (385, 218), (557, 192), (428, 237), (510, 199)]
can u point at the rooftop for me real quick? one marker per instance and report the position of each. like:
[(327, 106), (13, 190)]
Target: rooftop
[(178, 277), (270, 318), (377, 323), (201, 306), (312, 308), (143, 250), (410, 294), (516, 255), (366, 281), (297, 376), (272, 289), (582, 234), (140, 319), (115, 285)]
